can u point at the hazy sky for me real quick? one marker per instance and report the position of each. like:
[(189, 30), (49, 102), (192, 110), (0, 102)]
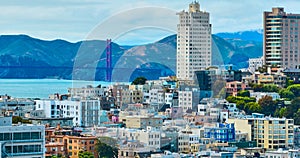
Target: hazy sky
[(126, 21)]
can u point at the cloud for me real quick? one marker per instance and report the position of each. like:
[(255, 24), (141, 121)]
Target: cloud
[(75, 20)]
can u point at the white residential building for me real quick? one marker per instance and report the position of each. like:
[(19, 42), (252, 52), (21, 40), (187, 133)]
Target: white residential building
[(169, 98), (157, 96), (84, 112), (193, 42), (88, 91), (188, 98), (259, 95), (150, 137), (202, 109), (254, 64), (185, 100)]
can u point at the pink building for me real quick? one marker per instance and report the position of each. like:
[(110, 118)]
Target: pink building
[(233, 87)]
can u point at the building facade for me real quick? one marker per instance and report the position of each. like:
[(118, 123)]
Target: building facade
[(281, 39), (223, 133), (141, 122), (269, 133), (21, 141), (193, 42), (84, 112), (254, 64), (68, 143), (232, 88), (187, 141)]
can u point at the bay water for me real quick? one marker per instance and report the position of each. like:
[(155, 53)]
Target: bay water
[(41, 88)]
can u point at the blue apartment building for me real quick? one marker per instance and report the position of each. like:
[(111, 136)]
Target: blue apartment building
[(222, 133)]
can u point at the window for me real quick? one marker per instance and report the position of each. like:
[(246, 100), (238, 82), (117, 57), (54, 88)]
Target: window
[(17, 136), (35, 135)]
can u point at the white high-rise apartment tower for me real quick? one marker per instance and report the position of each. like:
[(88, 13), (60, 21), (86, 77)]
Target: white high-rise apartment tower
[(193, 42)]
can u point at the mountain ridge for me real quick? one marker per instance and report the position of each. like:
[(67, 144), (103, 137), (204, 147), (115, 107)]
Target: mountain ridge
[(22, 56)]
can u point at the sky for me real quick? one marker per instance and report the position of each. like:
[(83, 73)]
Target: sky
[(126, 22)]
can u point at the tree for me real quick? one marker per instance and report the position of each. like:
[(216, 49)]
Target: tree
[(16, 119), (265, 88), (243, 93), (284, 93), (85, 154), (281, 112), (109, 141), (289, 82), (270, 88), (57, 156), (268, 105), (231, 99), (139, 81), (257, 87), (105, 150), (292, 108), (241, 104), (295, 88), (297, 117), (253, 107)]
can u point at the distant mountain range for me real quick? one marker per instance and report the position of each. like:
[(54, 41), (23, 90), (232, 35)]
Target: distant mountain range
[(22, 56), (251, 35)]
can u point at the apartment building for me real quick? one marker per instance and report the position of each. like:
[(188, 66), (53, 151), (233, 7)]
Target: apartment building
[(151, 137), (131, 149), (188, 98), (188, 142), (141, 122), (88, 91), (254, 64), (193, 42), (281, 38), (21, 141), (259, 95), (268, 132), (232, 88), (68, 142), (84, 112), (157, 96), (222, 133)]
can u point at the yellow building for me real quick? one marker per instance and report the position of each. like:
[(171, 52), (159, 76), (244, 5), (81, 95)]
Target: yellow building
[(269, 133), (265, 79), (80, 143), (142, 122)]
